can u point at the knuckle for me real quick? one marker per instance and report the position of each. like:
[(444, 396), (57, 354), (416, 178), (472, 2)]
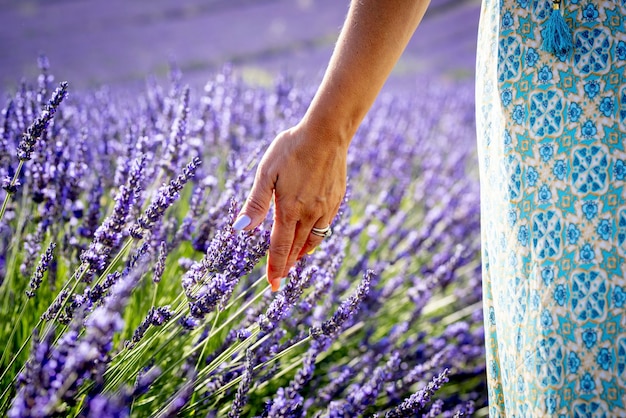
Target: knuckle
[(263, 174), (255, 204), (280, 250), (287, 212)]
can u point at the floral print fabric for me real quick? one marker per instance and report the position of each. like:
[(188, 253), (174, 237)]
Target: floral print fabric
[(551, 132)]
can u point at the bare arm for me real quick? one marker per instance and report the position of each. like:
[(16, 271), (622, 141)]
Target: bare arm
[(373, 37), (304, 169)]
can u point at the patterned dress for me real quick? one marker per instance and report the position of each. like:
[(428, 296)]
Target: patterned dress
[(552, 133)]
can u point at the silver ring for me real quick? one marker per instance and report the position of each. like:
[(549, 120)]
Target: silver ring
[(322, 232)]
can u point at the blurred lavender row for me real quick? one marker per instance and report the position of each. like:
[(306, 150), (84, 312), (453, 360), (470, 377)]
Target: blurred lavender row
[(126, 292), (120, 42)]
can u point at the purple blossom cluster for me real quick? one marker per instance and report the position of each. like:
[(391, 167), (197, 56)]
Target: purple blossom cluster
[(155, 306), (109, 234), (38, 127), (42, 267)]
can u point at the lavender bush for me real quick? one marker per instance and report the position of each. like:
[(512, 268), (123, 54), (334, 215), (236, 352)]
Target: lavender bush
[(126, 292)]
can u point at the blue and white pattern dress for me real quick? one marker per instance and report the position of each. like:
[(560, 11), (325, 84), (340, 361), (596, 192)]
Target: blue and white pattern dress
[(551, 139)]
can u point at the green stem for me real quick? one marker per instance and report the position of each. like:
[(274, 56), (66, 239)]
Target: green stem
[(242, 309), (10, 340), (204, 346), (236, 380), (206, 340)]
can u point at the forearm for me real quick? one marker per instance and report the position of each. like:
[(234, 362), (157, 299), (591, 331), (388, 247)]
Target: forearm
[(373, 37)]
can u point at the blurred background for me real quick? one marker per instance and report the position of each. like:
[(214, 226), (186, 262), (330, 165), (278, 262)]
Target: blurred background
[(120, 42)]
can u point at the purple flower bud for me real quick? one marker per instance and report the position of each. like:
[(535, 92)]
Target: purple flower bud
[(159, 267), (346, 310), (55, 306), (416, 402), (241, 397), (42, 267), (285, 405), (145, 379), (91, 219), (102, 406), (187, 322), (164, 198), (360, 396), (155, 317), (178, 133), (5, 136), (9, 185), (108, 236), (210, 282), (36, 130), (242, 334), (299, 280)]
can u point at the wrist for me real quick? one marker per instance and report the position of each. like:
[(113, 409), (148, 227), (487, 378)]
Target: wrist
[(330, 129)]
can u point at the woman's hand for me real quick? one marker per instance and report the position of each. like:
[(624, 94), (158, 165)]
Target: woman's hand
[(306, 176), (305, 167)]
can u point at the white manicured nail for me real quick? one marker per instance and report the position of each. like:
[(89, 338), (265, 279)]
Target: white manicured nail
[(241, 222)]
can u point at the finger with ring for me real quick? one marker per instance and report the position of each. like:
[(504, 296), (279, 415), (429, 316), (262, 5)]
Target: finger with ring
[(322, 232)]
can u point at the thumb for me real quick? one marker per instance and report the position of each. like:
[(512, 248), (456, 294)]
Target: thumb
[(257, 205)]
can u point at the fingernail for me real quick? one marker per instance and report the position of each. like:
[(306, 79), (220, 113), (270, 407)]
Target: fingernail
[(311, 251), (241, 222), (275, 285)]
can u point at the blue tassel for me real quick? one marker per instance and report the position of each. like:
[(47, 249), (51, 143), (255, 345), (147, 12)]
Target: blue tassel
[(557, 37)]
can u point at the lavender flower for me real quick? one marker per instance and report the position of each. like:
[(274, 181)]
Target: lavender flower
[(289, 401), (195, 208), (220, 250), (99, 291), (55, 306), (145, 379), (178, 134), (36, 130), (243, 255), (5, 136), (243, 388), (361, 396), (117, 405), (9, 185), (420, 399), (346, 310), (285, 405), (28, 391), (42, 267), (155, 317), (165, 197), (299, 279), (91, 218), (102, 406), (336, 384), (466, 409), (32, 246), (159, 267), (108, 236), (435, 409)]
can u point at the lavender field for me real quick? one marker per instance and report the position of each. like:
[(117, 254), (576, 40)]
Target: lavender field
[(125, 291)]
